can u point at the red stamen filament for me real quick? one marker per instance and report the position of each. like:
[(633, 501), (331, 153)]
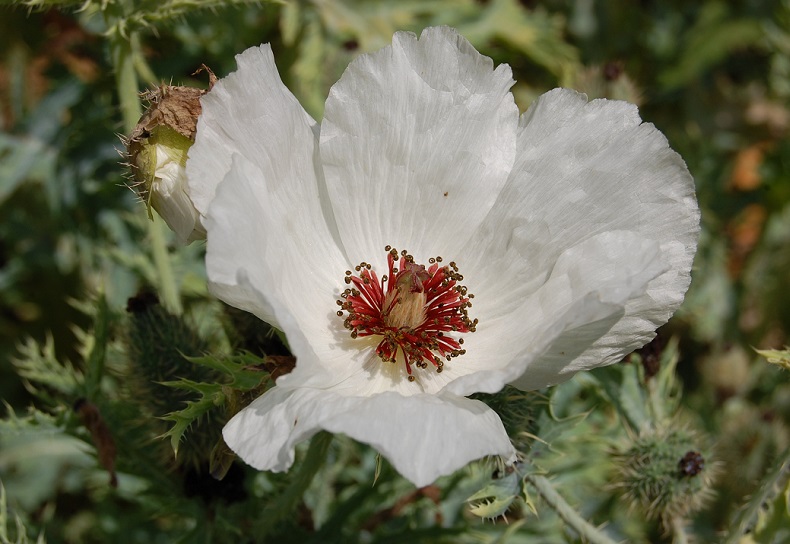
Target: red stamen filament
[(411, 308)]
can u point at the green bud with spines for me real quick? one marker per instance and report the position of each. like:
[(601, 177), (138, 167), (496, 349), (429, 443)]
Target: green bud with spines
[(666, 475), (158, 346)]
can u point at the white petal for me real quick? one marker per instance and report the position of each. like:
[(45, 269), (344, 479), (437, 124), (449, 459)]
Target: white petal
[(417, 141), (587, 292), (585, 169), (269, 252), (617, 268), (251, 113), (423, 436), (264, 433), (255, 173)]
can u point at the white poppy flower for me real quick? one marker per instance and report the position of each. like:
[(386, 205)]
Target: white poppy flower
[(574, 225)]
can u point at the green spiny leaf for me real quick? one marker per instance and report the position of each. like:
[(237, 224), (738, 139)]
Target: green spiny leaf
[(213, 395), (211, 398), (772, 485), (492, 508), (243, 369), (621, 385), (494, 499)]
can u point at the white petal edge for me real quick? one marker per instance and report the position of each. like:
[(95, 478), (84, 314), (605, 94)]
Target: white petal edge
[(417, 141), (423, 436)]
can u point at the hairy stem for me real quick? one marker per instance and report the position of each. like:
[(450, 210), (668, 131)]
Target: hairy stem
[(138, 59), (678, 531), (167, 282), (125, 80), (587, 531), (124, 50)]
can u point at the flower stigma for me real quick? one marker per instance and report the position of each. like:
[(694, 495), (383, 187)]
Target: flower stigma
[(412, 308)]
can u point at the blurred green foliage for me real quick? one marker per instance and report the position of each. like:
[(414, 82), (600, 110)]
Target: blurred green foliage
[(714, 76)]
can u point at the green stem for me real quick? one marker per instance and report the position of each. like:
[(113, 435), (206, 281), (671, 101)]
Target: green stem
[(143, 70), (125, 81), (587, 531), (168, 288), (289, 500), (124, 51)]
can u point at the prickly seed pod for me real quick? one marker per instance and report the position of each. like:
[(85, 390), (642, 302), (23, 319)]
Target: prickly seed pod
[(158, 343), (665, 474), (157, 152)]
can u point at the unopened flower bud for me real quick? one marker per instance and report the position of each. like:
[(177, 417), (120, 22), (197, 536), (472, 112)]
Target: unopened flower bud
[(157, 151), (159, 346)]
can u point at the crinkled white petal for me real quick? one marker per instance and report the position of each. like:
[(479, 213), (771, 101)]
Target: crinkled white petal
[(251, 113), (420, 435), (588, 289), (252, 118), (583, 170), (288, 254), (417, 141)]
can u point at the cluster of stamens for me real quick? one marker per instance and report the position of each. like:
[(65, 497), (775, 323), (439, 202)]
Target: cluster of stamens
[(412, 309)]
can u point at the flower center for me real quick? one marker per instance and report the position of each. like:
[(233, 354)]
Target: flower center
[(412, 308)]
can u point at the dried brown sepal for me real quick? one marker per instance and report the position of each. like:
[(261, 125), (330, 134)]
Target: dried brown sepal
[(212, 79), (174, 107)]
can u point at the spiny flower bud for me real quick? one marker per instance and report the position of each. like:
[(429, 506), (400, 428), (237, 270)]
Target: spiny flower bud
[(158, 344), (665, 474), (157, 150)]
